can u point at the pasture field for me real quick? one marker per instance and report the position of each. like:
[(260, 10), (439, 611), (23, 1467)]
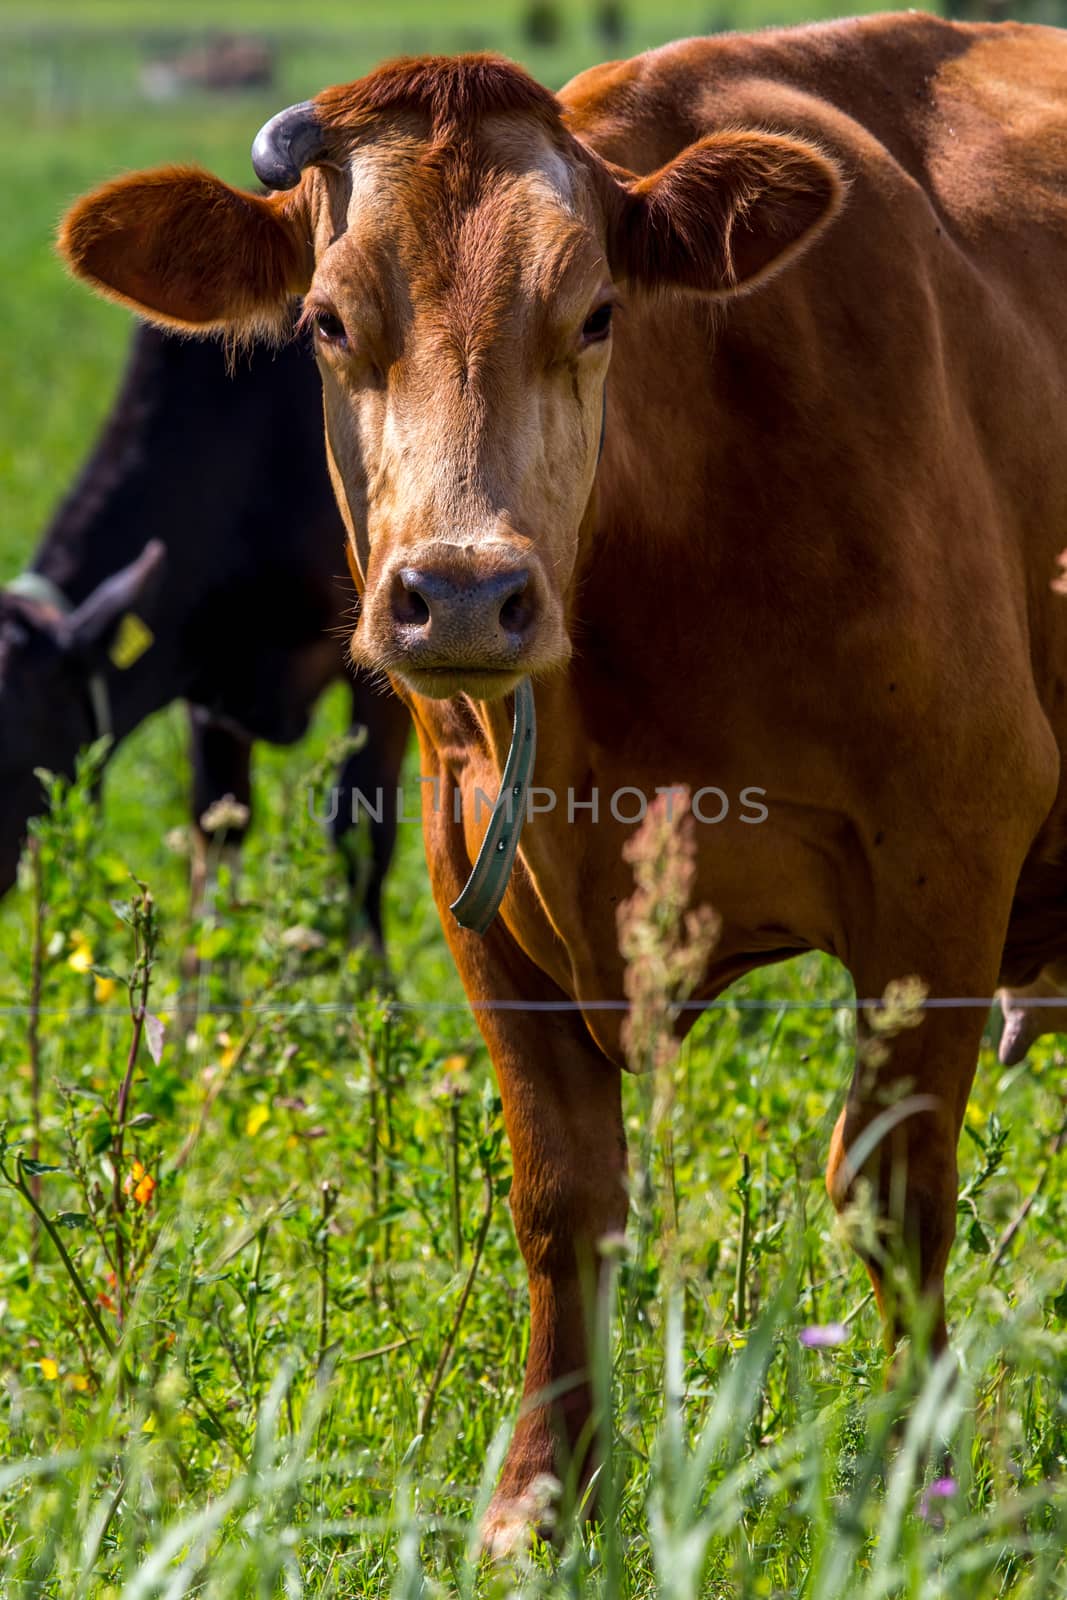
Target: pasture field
[(264, 1334)]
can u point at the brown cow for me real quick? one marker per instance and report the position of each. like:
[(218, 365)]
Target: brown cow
[(814, 556)]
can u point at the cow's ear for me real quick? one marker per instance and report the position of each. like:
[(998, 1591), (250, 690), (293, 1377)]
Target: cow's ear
[(724, 214), (184, 249)]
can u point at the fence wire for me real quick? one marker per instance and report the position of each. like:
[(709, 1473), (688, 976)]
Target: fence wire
[(379, 1002)]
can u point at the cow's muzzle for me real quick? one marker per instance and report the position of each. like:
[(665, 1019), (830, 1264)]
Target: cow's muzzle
[(462, 625), (482, 619), (470, 618)]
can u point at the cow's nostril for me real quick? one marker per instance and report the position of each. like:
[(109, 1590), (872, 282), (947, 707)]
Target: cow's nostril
[(516, 613), (410, 608)]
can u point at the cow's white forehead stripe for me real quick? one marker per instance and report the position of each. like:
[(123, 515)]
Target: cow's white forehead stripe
[(371, 169), (367, 172)]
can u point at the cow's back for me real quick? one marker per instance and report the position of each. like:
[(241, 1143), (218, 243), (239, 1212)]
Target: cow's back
[(976, 114)]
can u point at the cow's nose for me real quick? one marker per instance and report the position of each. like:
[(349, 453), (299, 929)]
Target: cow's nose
[(496, 609)]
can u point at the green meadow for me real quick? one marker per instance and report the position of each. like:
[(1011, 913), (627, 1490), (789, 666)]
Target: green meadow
[(263, 1317)]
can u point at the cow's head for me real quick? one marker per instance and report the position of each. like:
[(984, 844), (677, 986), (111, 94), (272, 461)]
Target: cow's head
[(48, 659), (461, 255)]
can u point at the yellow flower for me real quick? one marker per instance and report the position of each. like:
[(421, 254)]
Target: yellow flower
[(81, 955), (103, 989), (140, 1184), (78, 1381), (49, 1369), (256, 1118)]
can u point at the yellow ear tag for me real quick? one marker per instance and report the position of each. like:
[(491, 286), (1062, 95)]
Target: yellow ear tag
[(133, 638)]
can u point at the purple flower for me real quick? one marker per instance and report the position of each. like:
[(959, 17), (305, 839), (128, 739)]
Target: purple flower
[(824, 1336), (940, 1489)]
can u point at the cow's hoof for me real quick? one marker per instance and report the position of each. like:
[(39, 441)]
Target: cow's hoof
[(513, 1521)]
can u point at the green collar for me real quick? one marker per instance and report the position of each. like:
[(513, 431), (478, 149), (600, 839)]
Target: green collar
[(34, 586), (479, 900)]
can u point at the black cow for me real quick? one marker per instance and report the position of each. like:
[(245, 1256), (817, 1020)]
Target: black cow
[(206, 512)]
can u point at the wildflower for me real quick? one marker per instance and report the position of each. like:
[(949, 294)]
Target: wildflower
[(81, 954), (104, 1299), (455, 1078), (140, 1184), (225, 813), (301, 938), (177, 839), (665, 946), (49, 1369), (255, 1120), (929, 1510), (824, 1336), (103, 989), (78, 1382), (902, 1006)]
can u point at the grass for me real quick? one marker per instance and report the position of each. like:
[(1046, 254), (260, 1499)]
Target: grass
[(326, 1160), (330, 1174)]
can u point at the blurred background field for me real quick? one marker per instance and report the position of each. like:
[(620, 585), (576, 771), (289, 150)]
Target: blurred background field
[(345, 1126), (91, 88)]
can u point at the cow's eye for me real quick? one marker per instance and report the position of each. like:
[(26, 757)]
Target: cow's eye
[(597, 324), (330, 328)]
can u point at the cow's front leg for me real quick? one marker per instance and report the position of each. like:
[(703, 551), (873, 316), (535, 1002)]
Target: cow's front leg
[(370, 776), (222, 771), (893, 1151), (562, 1107), (562, 1102)]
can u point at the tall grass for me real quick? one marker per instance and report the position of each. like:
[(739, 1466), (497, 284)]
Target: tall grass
[(288, 1365)]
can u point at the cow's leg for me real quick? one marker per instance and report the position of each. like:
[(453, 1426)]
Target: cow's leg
[(563, 1111), (1024, 1021), (909, 1094), (373, 771), (222, 767), (562, 1104)]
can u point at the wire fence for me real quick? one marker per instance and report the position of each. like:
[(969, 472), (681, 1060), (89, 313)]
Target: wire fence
[(71, 71), (377, 1001), (81, 68)]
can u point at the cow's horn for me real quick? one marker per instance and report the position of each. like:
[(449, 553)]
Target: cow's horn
[(287, 144)]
